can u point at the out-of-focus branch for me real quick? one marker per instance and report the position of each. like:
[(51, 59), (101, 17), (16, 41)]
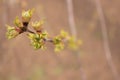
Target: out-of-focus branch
[(8, 6), (73, 30), (105, 40), (71, 18)]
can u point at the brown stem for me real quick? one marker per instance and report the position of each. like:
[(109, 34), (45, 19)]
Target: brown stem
[(47, 40), (30, 31), (106, 40)]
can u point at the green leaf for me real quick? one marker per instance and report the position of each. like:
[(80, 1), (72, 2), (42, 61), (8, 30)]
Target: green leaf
[(37, 41)]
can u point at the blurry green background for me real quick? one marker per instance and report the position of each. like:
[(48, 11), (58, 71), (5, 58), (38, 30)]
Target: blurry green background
[(19, 61)]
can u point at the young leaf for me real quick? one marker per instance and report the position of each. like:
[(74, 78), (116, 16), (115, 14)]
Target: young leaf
[(58, 44), (64, 34), (36, 41), (59, 47), (26, 15), (11, 32), (17, 22), (38, 25)]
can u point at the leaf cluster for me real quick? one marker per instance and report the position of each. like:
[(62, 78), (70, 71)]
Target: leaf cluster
[(38, 36)]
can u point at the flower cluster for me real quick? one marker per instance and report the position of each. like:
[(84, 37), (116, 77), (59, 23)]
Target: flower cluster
[(39, 37), (38, 40), (20, 26)]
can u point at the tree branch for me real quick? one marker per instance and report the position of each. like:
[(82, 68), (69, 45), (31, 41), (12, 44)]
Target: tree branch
[(105, 40), (74, 32)]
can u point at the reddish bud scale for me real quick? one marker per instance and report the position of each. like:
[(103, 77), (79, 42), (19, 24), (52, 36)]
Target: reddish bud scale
[(18, 29), (39, 31)]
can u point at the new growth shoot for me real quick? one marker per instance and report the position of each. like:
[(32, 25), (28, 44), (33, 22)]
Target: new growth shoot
[(38, 36)]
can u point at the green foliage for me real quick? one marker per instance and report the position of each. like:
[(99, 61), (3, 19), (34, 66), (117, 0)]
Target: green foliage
[(11, 32), (38, 37), (58, 44), (38, 25), (37, 40)]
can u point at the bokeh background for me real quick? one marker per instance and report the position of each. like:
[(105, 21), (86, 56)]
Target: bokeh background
[(95, 59)]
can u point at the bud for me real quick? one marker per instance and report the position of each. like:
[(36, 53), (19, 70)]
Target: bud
[(59, 47), (64, 34), (38, 25), (26, 15), (17, 22), (11, 32), (36, 41), (73, 43), (37, 45), (57, 40), (44, 35), (58, 44)]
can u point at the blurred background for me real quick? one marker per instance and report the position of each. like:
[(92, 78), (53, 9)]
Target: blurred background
[(95, 22)]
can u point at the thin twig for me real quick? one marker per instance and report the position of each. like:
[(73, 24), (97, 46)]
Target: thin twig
[(74, 32), (30, 31), (105, 40)]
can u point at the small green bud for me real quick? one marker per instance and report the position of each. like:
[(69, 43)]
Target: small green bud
[(17, 22), (64, 34), (38, 25), (44, 35), (74, 44), (58, 44), (36, 40), (37, 45), (57, 40), (59, 47), (26, 15)]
